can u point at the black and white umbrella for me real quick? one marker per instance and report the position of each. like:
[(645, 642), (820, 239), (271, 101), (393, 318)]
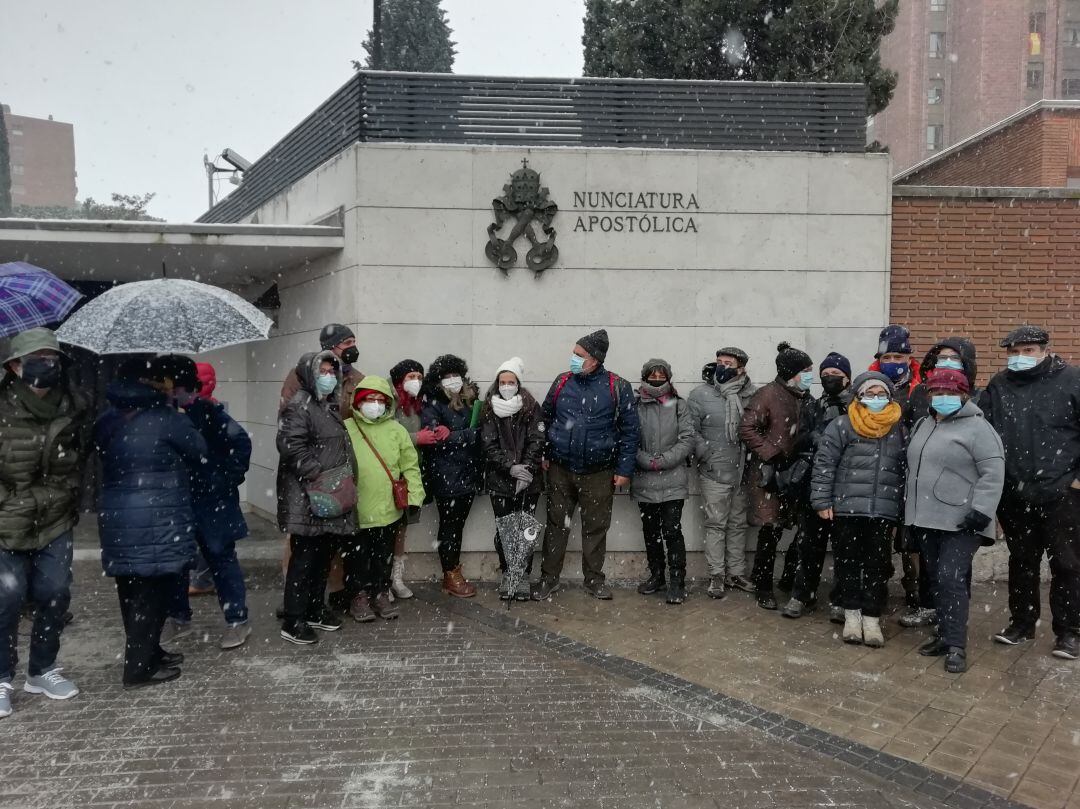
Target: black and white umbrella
[(519, 533), (165, 315)]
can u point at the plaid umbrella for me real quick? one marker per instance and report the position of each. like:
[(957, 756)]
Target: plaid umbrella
[(31, 296)]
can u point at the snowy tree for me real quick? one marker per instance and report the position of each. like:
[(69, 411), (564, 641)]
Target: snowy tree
[(762, 40), (415, 37)]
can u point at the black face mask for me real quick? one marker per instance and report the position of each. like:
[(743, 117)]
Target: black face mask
[(725, 374), (833, 385), (350, 355), (41, 372)]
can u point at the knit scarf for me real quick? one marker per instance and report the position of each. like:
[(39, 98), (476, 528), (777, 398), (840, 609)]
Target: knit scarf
[(42, 408), (730, 392), (504, 408), (657, 393), (873, 425)]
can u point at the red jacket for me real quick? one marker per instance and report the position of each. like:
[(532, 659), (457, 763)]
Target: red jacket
[(916, 376)]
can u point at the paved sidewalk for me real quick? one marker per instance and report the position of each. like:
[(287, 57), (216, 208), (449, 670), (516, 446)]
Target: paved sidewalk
[(1011, 724), (435, 709)]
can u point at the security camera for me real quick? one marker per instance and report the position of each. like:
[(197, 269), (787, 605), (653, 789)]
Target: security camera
[(236, 160)]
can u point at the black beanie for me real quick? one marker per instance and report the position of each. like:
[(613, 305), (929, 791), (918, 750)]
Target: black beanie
[(399, 371), (334, 334), (837, 361), (790, 361), (596, 344)]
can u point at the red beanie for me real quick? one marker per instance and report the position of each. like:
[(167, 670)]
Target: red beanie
[(948, 379), (360, 393), (208, 378)]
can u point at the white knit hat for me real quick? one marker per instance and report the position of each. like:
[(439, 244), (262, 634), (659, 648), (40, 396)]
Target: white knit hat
[(514, 365)]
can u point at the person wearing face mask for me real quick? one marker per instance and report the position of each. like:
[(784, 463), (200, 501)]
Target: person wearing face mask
[(315, 461), (776, 428), (44, 441), (219, 522), (949, 353), (956, 470), (451, 465), (407, 377), (512, 439), (384, 452), (340, 341), (661, 482), (1035, 406), (592, 429), (716, 410), (858, 486), (813, 537)]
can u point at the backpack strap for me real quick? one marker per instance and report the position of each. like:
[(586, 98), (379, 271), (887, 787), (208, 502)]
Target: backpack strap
[(612, 388), (563, 379)]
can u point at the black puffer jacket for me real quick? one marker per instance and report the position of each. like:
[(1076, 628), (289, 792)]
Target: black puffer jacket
[(857, 476), (451, 468), (311, 439), (1037, 415), (516, 439)]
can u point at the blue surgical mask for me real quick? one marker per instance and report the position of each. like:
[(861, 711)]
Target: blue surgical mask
[(949, 362), (873, 404), (577, 364), (326, 384), (806, 379), (946, 404), (1020, 362), (895, 370)]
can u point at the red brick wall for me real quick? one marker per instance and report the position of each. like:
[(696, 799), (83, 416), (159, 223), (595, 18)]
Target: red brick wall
[(978, 267)]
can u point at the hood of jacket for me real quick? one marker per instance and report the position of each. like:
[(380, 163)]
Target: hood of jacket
[(130, 394), (308, 368), (962, 346), (865, 377), (443, 365), (380, 385), (207, 379)]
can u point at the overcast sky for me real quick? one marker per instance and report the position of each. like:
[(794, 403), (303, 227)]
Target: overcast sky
[(150, 86)]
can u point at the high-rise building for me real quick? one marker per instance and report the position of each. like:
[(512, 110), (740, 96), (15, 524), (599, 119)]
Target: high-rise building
[(42, 157), (966, 64)]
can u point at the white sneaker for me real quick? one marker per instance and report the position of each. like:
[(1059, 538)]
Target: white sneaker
[(397, 579), (853, 626), (52, 684), (5, 699), (871, 632)]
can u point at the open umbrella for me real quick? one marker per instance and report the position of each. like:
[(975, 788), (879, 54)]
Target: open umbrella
[(31, 296), (167, 315), (519, 533)]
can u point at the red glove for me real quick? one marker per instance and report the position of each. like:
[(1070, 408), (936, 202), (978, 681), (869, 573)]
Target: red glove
[(442, 432), (425, 438)]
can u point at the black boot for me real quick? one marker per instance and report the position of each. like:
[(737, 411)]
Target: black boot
[(653, 584), (935, 647), (956, 660), (676, 591)]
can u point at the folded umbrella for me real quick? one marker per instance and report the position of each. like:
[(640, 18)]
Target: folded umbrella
[(519, 533), (31, 296), (165, 315)]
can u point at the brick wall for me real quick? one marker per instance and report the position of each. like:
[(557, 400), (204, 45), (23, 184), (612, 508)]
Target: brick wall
[(979, 266)]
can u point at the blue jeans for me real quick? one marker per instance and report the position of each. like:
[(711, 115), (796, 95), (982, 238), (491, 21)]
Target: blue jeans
[(220, 555), (43, 577), (946, 556)]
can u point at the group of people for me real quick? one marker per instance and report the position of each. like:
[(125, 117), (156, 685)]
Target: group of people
[(905, 458)]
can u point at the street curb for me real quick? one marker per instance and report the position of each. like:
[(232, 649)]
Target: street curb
[(910, 775)]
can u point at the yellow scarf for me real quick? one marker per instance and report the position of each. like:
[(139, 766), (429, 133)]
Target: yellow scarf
[(873, 425)]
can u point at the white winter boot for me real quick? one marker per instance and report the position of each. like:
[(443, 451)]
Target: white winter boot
[(853, 624), (871, 632), (397, 582)]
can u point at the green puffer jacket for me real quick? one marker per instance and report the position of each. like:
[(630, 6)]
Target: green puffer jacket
[(43, 443)]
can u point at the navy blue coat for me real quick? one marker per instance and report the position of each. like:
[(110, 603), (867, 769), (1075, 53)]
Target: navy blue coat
[(145, 517), (451, 468), (589, 430), (215, 484)]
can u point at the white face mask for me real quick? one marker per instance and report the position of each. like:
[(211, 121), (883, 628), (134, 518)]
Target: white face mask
[(452, 384), (412, 387), (372, 410), (508, 391)]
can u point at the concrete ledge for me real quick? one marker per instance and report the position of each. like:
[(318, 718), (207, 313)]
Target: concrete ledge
[(978, 192)]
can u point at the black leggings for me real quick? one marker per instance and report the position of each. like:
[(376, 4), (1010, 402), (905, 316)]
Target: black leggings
[(453, 512), (862, 550), (661, 523), (368, 557), (144, 603), (305, 580)]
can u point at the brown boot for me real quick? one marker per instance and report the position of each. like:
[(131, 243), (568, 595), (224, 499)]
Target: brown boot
[(383, 607), (453, 583), (360, 609)]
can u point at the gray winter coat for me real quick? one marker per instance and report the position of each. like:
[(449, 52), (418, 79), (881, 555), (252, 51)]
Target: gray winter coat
[(666, 432), (720, 459), (857, 476), (954, 465)]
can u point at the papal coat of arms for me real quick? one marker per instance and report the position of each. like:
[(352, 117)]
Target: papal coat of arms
[(527, 203)]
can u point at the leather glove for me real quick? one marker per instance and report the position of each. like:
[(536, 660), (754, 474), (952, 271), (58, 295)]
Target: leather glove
[(974, 521), (425, 438), (520, 472)]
